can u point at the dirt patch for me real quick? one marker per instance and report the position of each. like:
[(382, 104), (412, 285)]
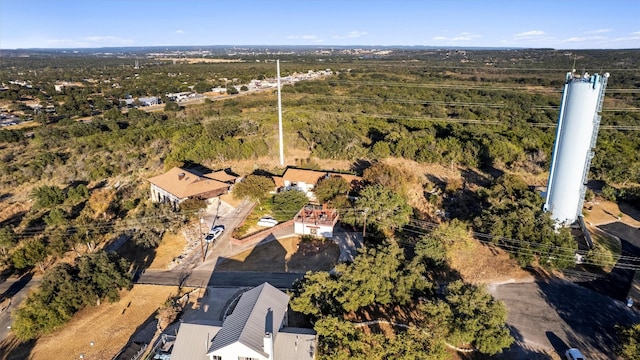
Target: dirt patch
[(601, 212), (172, 246), (285, 255), (108, 326), (483, 264)]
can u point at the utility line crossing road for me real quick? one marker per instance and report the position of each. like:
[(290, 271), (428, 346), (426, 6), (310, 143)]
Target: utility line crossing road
[(204, 278)]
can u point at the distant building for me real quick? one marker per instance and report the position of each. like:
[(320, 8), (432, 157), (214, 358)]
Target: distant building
[(256, 329), (306, 180), (148, 101), (178, 185)]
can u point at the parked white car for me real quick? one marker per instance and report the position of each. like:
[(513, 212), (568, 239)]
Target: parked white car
[(267, 221), (215, 233)]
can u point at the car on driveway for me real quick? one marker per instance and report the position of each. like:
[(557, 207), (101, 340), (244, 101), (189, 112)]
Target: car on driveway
[(215, 233), (267, 221), (573, 354)]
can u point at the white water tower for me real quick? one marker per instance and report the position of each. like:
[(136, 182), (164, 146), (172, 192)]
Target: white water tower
[(576, 134)]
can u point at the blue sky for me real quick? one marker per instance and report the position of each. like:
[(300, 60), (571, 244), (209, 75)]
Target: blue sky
[(560, 24)]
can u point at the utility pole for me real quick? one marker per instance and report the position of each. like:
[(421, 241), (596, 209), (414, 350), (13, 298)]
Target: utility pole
[(364, 229), (200, 236), (280, 136)]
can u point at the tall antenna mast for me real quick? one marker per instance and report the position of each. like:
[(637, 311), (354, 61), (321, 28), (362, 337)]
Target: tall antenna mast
[(280, 116)]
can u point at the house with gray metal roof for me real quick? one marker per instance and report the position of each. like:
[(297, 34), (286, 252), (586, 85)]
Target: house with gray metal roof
[(255, 330)]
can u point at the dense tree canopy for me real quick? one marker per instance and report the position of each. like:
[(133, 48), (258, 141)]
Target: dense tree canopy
[(515, 219), (287, 203), (330, 188), (254, 187), (383, 208), (66, 288), (382, 278)]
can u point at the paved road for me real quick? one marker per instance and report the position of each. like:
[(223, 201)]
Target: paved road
[(558, 315), (203, 278), (17, 289)]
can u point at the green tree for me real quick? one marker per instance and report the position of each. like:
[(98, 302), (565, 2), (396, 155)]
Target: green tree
[(102, 275), (383, 208), (388, 176), (47, 196), (330, 188), (287, 203), (32, 252), (514, 217), (66, 289), (49, 306), (78, 193), (7, 239), (434, 248), (172, 106), (629, 342), (254, 187), (55, 217), (477, 318)]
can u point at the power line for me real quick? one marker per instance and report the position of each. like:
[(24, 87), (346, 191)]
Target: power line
[(532, 88), (454, 103), (531, 248), (460, 121)]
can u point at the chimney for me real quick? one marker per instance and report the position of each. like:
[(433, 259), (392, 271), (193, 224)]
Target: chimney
[(181, 176), (267, 341), (267, 345)]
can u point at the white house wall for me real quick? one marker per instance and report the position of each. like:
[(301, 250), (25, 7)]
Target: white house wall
[(308, 229), (307, 189), (160, 195), (236, 350)]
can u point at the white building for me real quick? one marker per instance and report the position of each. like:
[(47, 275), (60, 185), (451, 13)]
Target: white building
[(315, 220), (255, 330)]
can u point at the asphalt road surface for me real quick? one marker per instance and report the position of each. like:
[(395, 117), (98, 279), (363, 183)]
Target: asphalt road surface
[(204, 278), (559, 315), (17, 289)]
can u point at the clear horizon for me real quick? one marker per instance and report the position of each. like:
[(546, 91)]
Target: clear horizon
[(567, 24)]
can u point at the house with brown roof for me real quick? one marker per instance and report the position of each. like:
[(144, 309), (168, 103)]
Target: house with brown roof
[(178, 185), (305, 180)]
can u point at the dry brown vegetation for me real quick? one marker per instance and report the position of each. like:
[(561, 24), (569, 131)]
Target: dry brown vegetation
[(171, 246), (108, 326)]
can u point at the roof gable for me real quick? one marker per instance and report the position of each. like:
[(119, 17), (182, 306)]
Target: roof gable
[(259, 310), (193, 340)]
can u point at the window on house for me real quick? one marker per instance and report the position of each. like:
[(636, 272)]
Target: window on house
[(216, 357), (246, 358)]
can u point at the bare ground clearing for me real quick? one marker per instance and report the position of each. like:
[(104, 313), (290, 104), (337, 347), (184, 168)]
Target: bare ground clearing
[(604, 212), (285, 255), (108, 326), (172, 245)]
